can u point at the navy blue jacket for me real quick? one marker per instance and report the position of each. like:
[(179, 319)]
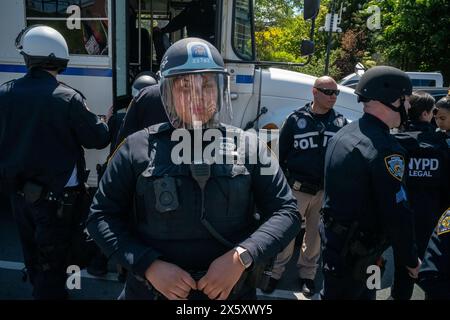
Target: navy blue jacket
[(43, 126), (178, 236), (303, 142), (145, 110), (364, 182), (434, 276), (427, 177)]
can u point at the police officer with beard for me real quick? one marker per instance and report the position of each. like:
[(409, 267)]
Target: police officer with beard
[(303, 141), (45, 125), (427, 180), (183, 224), (365, 203)]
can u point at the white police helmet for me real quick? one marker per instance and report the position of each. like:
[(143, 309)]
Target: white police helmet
[(42, 46)]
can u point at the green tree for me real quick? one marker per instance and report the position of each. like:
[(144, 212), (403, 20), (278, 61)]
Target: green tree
[(415, 35), (280, 40)]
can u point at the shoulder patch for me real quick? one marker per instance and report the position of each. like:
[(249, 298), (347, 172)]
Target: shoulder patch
[(395, 165), (443, 225), (339, 121)]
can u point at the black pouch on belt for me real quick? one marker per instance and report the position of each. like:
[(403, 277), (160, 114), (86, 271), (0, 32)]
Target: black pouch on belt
[(32, 192)]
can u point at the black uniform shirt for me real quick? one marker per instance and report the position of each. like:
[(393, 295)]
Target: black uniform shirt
[(178, 236), (364, 171), (303, 141), (43, 126), (145, 110), (427, 176)]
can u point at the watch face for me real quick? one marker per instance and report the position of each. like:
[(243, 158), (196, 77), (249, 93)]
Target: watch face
[(246, 258)]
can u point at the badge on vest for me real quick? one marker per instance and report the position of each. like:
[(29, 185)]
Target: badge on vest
[(301, 123), (395, 164), (444, 223)]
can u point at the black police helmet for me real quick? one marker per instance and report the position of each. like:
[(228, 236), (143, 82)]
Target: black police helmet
[(143, 79), (383, 83)]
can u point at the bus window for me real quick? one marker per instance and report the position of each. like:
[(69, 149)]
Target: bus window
[(83, 23), (243, 41)]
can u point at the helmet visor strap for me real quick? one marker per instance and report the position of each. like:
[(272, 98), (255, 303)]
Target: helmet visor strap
[(401, 109)]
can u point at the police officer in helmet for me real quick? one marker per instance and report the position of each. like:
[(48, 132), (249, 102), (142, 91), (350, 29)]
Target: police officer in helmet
[(45, 125), (145, 109), (365, 204), (143, 79), (192, 233)]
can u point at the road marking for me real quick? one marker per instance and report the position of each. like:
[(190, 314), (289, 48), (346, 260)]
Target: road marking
[(9, 265)]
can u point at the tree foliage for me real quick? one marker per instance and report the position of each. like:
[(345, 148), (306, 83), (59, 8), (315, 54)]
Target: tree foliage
[(414, 35)]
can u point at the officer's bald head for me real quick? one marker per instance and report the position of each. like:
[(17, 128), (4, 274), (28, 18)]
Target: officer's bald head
[(324, 99), (325, 82)]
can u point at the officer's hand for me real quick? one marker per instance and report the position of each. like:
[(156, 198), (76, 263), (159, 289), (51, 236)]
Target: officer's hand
[(109, 114), (414, 272), (170, 280), (222, 276)]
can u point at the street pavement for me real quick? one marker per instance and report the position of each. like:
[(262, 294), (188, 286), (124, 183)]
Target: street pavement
[(12, 286)]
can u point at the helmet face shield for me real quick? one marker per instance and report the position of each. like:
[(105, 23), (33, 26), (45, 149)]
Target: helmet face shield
[(197, 100)]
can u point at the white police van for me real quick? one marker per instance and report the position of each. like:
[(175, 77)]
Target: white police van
[(107, 52), (418, 79)]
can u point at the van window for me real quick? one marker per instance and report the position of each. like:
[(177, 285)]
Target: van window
[(243, 42), (423, 83), (83, 23)]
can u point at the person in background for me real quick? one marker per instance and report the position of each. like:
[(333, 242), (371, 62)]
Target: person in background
[(302, 144), (427, 180)]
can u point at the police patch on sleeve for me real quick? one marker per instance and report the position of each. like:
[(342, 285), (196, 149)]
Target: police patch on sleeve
[(395, 164), (444, 223), (339, 122)]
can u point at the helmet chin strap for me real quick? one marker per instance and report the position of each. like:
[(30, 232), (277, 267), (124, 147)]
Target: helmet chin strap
[(401, 109)]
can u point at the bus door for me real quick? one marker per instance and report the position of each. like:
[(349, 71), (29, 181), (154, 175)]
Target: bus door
[(133, 49)]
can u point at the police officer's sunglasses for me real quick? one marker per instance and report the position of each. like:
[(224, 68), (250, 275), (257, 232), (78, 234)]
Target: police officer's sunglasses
[(329, 92)]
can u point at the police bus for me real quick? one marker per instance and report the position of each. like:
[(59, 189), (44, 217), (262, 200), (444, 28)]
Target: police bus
[(110, 42)]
